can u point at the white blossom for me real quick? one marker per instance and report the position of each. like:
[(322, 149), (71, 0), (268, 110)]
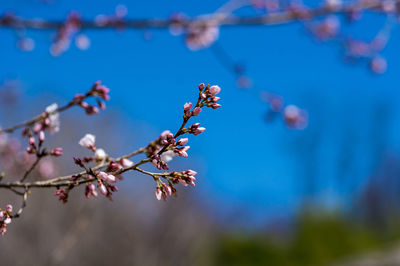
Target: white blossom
[(54, 126), (88, 141), (100, 154), (167, 156)]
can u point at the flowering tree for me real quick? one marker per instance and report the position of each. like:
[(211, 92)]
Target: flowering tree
[(100, 169), (200, 32)]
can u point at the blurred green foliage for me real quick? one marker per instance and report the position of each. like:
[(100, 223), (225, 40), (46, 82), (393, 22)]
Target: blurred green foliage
[(316, 240)]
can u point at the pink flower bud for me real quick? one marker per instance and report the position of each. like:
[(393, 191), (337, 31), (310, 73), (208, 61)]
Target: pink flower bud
[(1, 215), (9, 208), (47, 122), (103, 189), (215, 99), (187, 106), (191, 172), (199, 130), (215, 89), (102, 175), (182, 152), (182, 141), (111, 179), (79, 97), (168, 190), (196, 111), (90, 110), (30, 150), (106, 177), (215, 105), (158, 193), (32, 141), (202, 86), (7, 220), (84, 105), (37, 127), (166, 134), (41, 136), (57, 152)]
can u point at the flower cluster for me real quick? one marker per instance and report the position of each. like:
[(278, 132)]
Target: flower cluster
[(105, 179), (50, 120), (185, 178), (207, 98), (166, 146), (174, 148), (99, 91), (5, 218), (100, 172)]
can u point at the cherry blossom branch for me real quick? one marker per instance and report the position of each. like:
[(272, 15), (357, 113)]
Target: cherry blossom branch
[(52, 111), (272, 18), (103, 169)]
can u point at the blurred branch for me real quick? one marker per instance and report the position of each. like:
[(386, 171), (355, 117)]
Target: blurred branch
[(272, 18)]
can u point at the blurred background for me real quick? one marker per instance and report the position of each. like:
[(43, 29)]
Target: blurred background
[(266, 194)]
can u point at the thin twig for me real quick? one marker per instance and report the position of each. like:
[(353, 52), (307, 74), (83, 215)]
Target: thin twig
[(38, 158)]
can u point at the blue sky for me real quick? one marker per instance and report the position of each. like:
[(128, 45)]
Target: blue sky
[(243, 161)]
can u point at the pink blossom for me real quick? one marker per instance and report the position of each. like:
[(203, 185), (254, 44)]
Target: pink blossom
[(103, 189), (215, 105), (9, 208), (158, 193), (168, 190), (106, 177), (182, 141), (187, 106), (57, 152), (196, 111), (215, 89), (182, 151), (191, 172), (41, 136), (199, 130)]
